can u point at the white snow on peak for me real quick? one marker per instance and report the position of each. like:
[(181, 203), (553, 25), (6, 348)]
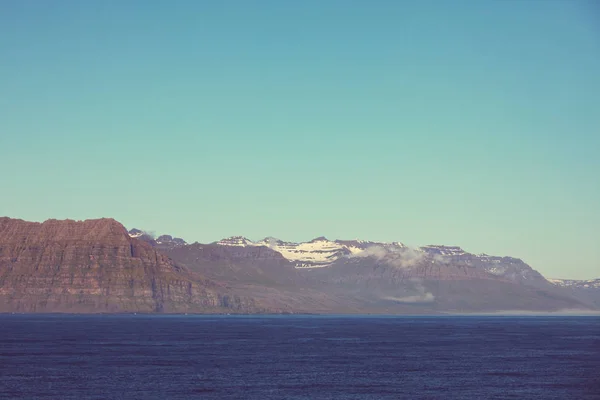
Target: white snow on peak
[(444, 250), (319, 252), (586, 283), (239, 241), (136, 233)]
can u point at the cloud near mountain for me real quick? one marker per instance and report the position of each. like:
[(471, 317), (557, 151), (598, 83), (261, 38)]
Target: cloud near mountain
[(405, 257)]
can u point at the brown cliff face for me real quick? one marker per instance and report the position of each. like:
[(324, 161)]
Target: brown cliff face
[(94, 266)]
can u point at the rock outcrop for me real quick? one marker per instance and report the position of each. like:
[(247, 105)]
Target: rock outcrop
[(95, 266)]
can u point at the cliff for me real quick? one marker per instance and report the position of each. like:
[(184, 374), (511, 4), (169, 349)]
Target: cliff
[(95, 266)]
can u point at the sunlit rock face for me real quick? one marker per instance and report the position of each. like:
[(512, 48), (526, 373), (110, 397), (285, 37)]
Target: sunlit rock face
[(96, 266)]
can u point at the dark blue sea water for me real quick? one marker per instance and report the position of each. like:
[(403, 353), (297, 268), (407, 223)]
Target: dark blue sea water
[(297, 357)]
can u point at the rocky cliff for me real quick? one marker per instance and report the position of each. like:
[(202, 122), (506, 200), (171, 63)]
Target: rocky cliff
[(95, 266)]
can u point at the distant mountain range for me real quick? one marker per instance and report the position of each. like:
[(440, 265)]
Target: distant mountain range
[(436, 278), (99, 266), (321, 252)]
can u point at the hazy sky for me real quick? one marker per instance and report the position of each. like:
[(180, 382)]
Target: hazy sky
[(471, 123)]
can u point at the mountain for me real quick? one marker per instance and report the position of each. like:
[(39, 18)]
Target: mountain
[(508, 268), (319, 252), (254, 269), (443, 281), (256, 263), (587, 291), (99, 266), (263, 274), (379, 277), (257, 269), (96, 266)]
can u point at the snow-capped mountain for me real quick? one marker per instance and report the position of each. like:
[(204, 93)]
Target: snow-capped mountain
[(322, 252), (574, 283), (371, 275), (319, 252)]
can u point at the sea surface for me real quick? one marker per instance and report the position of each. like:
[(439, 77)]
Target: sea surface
[(298, 357)]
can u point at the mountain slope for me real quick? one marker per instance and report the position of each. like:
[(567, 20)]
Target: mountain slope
[(587, 290), (256, 264), (437, 285), (263, 274)]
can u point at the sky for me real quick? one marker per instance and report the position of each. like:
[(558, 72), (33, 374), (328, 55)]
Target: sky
[(470, 123)]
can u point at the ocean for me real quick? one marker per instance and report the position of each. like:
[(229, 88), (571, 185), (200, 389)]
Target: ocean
[(298, 357)]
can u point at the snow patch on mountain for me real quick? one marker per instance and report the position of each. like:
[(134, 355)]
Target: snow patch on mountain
[(444, 250), (136, 233), (574, 283), (319, 252), (238, 241), (322, 252)]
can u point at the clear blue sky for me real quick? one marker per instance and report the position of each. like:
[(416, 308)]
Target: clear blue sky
[(471, 123)]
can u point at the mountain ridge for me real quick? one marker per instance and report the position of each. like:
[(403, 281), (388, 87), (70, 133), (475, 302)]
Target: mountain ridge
[(98, 266), (335, 262), (331, 250)]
